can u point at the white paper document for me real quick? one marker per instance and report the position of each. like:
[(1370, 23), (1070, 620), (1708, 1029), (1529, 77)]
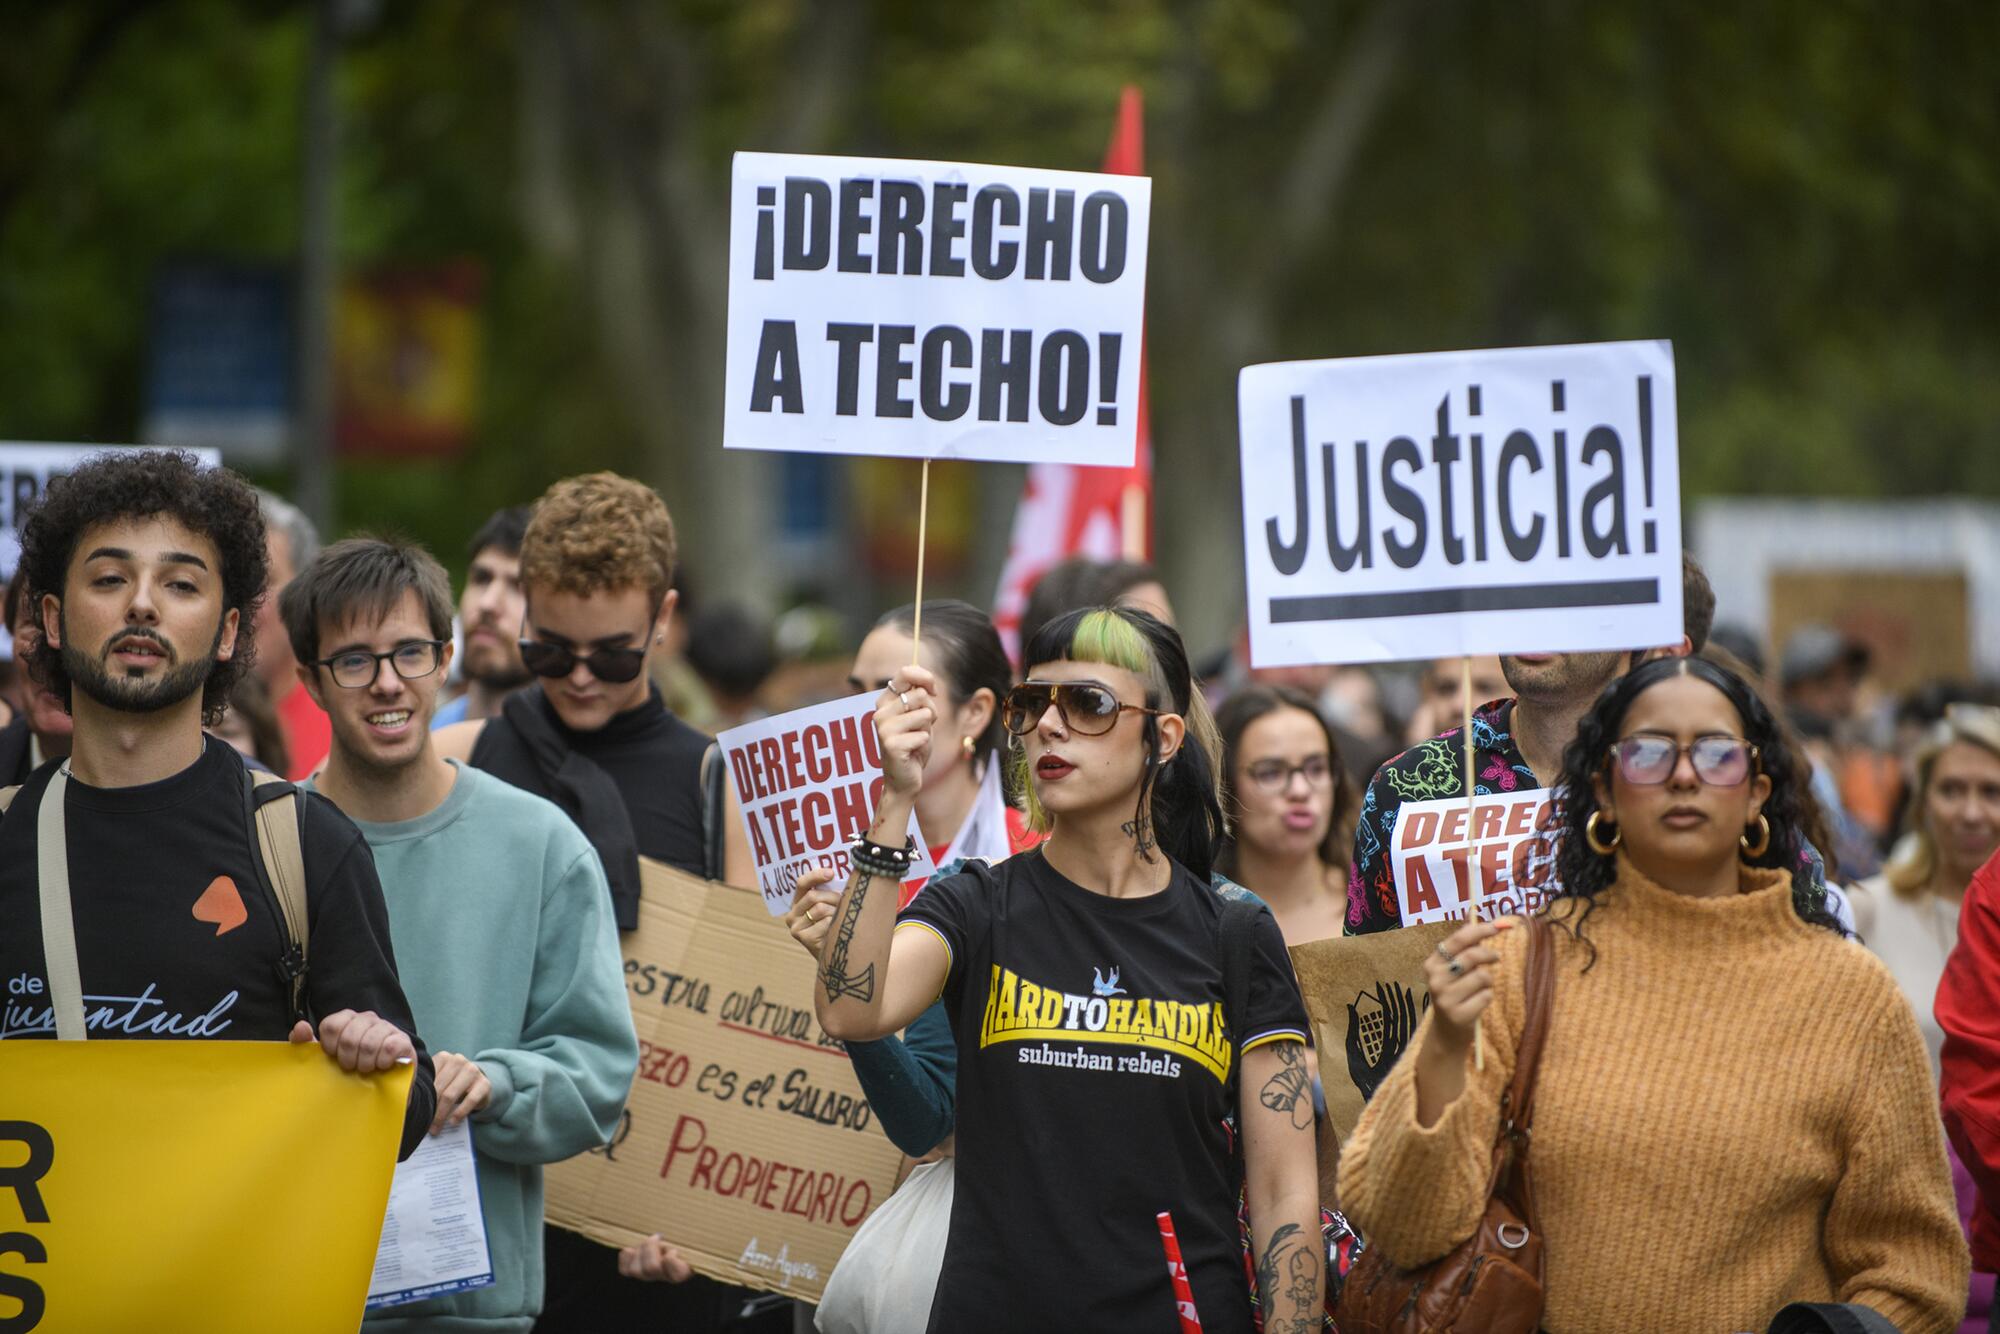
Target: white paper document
[(434, 1236)]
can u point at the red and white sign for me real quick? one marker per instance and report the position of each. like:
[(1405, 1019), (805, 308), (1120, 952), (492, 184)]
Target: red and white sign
[(1506, 863), (808, 783)]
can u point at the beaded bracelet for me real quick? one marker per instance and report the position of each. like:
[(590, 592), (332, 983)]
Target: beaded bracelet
[(877, 860)]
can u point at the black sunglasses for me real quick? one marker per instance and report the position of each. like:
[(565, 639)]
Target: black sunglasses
[(613, 666), (1086, 709)]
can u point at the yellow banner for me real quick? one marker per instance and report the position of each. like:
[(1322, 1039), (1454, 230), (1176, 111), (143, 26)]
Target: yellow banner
[(176, 1187)]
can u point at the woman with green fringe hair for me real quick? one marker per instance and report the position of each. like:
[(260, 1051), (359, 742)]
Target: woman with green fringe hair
[(1112, 1012)]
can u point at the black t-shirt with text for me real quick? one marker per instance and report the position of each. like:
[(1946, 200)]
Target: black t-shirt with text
[(1094, 1076), (174, 936)]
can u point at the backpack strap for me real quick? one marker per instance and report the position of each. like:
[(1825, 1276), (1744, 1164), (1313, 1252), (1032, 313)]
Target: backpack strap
[(58, 921), (274, 814), (1238, 923), (713, 843)]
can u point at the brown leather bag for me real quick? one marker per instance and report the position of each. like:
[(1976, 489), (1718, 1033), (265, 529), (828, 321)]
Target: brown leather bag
[(1491, 1282)]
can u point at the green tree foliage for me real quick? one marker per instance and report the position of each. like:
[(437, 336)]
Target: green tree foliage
[(1802, 195)]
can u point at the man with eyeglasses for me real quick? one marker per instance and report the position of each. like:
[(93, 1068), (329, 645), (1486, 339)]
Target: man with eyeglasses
[(594, 736), (496, 902)]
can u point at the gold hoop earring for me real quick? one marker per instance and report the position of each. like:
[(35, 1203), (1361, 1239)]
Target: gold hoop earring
[(1599, 844), (1763, 843)]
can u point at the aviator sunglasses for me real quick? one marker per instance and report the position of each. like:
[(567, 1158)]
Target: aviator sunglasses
[(1086, 709), (1647, 760)]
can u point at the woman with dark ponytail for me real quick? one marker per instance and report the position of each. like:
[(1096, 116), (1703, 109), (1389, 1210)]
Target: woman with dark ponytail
[(1086, 986), (1720, 1064)]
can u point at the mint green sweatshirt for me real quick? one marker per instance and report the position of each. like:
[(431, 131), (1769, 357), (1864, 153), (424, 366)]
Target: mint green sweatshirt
[(503, 933)]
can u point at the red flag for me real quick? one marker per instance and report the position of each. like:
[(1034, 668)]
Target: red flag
[(1065, 510)]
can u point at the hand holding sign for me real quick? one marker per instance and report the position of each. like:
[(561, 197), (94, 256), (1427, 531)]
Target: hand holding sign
[(904, 719), (807, 783)]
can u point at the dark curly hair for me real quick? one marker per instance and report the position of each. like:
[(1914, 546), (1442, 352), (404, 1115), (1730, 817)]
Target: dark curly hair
[(142, 484), (1584, 875)]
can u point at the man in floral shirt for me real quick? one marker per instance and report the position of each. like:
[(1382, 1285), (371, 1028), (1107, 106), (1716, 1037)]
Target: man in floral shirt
[(1517, 746)]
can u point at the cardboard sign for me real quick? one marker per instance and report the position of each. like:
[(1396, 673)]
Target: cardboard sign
[(1516, 501), (136, 1194), (934, 309), (1365, 996), (807, 783), (746, 1142), (1502, 856)]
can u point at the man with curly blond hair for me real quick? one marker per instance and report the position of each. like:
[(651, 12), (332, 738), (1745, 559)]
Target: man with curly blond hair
[(594, 736)]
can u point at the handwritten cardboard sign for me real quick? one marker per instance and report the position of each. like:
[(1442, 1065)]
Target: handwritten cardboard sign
[(746, 1142), (807, 783), (1511, 501), (934, 309), (1365, 996), (1500, 854)]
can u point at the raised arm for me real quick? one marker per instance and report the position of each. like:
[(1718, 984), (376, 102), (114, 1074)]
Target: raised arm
[(872, 979)]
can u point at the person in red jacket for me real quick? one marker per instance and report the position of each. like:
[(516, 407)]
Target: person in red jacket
[(1968, 1010)]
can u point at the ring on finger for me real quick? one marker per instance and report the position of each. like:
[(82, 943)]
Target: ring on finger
[(903, 697), (1444, 953), (1453, 966)]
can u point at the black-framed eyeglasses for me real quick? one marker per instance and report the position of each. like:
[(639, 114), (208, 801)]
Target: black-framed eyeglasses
[(1086, 708), (1648, 759), (613, 666), (1275, 776), (357, 668)]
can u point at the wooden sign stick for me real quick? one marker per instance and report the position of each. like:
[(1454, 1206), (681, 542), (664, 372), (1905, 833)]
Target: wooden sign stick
[(1471, 813), (923, 521)]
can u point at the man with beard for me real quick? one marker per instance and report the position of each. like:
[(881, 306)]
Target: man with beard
[(497, 900), (147, 570), (1517, 747), (40, 727), (489, 618)]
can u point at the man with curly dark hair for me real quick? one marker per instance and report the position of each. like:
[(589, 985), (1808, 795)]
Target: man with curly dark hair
[(147, 570)]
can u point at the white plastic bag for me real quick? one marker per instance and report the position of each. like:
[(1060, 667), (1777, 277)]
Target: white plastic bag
[(887, 1276)]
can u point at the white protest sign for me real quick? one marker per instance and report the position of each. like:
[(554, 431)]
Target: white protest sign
[(26, 469), (1515, 501), (934, 309), (808, 782), (1505, 864)]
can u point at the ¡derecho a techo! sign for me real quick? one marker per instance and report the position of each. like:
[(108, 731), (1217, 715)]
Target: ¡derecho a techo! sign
[(934, 309), (1514, 501)]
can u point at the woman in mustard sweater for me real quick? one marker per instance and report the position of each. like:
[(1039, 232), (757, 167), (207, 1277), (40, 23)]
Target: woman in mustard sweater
[(1734, 1108)]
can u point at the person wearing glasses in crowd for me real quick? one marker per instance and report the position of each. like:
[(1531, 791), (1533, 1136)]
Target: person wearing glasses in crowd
[(1722, 1067), (593, 736), (496, 902), (1291, 809), (1085, 984)]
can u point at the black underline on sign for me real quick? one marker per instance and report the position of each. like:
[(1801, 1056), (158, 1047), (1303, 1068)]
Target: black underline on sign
[(790, 1042), (1437, 601)]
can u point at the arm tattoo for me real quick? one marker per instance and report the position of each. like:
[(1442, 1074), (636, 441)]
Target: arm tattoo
[(1290, 1090), (1288, 1279), (833, 971), (1141, 834)]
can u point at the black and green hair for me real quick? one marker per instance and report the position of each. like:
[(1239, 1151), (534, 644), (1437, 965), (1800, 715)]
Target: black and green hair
[(1181, 800)]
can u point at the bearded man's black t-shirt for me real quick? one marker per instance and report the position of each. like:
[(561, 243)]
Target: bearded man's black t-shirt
[(1094, 1075), (174, 936)]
